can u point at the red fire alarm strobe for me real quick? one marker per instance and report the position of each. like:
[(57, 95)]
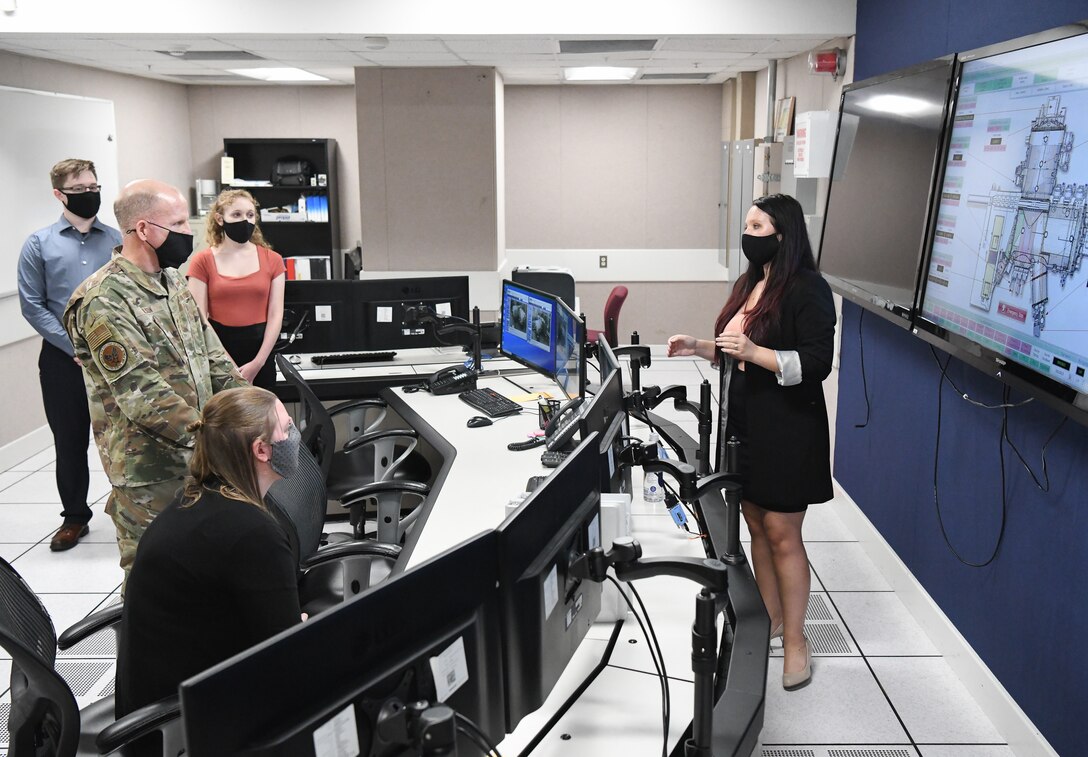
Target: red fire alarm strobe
[(831, 61)]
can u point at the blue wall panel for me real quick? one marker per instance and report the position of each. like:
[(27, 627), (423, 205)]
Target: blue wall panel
[(1024, 613)]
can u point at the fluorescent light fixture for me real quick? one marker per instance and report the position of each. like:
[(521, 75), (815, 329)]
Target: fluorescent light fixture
[(599, 73), (277, 74), (900, 105)]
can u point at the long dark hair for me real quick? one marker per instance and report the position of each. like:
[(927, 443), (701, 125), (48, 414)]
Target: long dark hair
[(222, 457), (794, 254)]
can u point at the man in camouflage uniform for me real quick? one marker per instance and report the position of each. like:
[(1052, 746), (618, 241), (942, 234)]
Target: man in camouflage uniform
[(150, 362)]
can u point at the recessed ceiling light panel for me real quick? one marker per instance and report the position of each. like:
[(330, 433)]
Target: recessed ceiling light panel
[(599, 73), (277, 74)]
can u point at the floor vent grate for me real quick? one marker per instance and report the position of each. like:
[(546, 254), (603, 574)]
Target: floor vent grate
[(823, 751), (817, 608), (5, 709), (827, 638), (787, 753), (81, 676), (99, 645), (868, 752)]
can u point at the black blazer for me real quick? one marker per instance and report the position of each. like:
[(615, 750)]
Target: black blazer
[(789, 449)]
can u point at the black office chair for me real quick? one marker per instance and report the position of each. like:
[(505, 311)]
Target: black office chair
[(44, 720), (378, 465), (332, 573)]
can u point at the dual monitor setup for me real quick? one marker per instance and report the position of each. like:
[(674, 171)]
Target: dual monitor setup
[(538, 329), (486, 628), (958, 208)]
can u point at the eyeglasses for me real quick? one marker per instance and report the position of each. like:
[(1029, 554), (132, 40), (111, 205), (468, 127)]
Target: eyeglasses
[(79, 189)]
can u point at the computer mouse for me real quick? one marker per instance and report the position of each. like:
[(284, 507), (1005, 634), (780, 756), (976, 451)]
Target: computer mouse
[(478, 420)]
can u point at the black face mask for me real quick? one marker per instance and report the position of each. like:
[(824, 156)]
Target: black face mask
[(84, 204), (175, 249), (759, 250), (239, 231)]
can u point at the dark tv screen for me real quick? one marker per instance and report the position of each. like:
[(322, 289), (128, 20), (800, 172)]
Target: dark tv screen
[(887, 154)]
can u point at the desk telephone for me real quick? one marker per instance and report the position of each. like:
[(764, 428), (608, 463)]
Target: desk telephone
[(451, 380), (561, 429)]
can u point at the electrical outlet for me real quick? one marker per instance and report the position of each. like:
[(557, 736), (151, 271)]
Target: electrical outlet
[(602, 261), (323, 312)]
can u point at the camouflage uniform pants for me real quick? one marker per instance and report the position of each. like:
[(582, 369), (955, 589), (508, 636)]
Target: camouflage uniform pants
[(132, 509)]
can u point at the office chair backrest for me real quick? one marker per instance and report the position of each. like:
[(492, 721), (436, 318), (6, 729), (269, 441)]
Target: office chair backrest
[(42, 704), (298, 503), (315, 423), (612, 314)]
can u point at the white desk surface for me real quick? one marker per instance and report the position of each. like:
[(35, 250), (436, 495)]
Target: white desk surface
[(620, 713)]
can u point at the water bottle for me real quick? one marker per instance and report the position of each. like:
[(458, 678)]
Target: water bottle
[(652, 488)]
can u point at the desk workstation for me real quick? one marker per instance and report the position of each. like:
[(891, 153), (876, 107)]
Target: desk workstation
[(564, 681)]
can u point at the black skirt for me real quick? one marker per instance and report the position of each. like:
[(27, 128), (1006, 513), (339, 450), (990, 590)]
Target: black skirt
[(242, 344)]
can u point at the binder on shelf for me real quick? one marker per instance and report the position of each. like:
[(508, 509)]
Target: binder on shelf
[(308, 267)]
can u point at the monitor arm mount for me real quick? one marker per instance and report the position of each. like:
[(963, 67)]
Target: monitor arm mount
[(428, 730), (425, 316), (640, 358), (625, 558), (641, 402)]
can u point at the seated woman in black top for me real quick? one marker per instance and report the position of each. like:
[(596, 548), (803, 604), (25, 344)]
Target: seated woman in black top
[(214, 573)]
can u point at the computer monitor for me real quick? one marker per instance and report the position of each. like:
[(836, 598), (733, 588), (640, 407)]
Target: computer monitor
[(1005, 285), (890, 131), (605, 415), (320, 316), (546, 613), (528, 327), (383, 306), (570, 368), (431, 633)]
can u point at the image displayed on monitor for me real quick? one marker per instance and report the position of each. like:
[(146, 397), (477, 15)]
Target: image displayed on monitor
[(887, 154), (568, 350), (527, 327), (1006, 261)]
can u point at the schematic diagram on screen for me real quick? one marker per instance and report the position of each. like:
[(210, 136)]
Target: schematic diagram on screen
[(1035, 235)]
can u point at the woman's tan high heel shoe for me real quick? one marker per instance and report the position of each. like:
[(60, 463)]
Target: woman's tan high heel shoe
[(776, 632), (800, 679)]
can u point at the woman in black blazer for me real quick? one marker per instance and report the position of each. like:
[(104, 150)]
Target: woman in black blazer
[(774, 343)]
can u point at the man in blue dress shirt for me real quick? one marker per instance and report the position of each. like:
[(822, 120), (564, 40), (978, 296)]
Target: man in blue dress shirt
[(54, 261)]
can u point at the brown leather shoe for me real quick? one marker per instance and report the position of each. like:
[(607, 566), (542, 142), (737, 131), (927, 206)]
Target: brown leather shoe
[(68, 536)]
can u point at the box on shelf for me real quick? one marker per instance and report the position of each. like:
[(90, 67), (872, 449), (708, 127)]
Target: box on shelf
[(273, 216), (308, 267)]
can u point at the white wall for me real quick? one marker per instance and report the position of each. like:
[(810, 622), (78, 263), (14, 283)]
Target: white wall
[(152, 141)]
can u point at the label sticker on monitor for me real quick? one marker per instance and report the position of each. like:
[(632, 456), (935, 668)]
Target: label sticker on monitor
[(450, 670), (339, 737), (551, 590), (594, 534), (443, 309), (384, 314)]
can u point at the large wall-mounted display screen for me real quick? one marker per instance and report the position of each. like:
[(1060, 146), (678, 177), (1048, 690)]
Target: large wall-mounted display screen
[(1006, 268), (887, 155)]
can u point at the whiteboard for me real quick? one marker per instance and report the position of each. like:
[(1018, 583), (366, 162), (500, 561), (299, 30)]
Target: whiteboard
[(38, 129)]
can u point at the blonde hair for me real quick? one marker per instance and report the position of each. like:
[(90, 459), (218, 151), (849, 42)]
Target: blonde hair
[(214, 230), (225, 432), (70, 167)]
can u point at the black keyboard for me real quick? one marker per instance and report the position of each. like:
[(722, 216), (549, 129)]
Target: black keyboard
[(552, 457), (343, 358), (490, 403)]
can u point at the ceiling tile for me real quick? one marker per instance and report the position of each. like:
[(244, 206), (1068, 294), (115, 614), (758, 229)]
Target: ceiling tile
[(536, 46)]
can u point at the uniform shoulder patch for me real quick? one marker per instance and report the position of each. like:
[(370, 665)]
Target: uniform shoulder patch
[(98, 335), (113, 356)]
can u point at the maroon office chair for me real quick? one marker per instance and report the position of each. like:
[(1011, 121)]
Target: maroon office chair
[(611, 317)]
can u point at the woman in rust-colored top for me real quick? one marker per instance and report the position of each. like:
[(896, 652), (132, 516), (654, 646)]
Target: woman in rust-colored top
[(238, 284)]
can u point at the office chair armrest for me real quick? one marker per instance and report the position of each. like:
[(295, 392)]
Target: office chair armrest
[(379, 487), (343, 407), (373, 436), (91, 624), (351, 549), (147, 719)]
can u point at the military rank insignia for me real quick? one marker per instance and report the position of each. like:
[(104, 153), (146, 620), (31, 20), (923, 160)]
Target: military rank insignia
[(113, 356)]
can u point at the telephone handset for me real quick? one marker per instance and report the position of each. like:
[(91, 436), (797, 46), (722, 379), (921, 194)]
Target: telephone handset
[(561, 429), (451, 380)]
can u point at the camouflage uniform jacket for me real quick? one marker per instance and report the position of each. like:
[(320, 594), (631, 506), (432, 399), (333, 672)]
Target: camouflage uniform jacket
[(150, 364)]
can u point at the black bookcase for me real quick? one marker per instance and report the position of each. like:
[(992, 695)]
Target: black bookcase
[(254, 160)]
